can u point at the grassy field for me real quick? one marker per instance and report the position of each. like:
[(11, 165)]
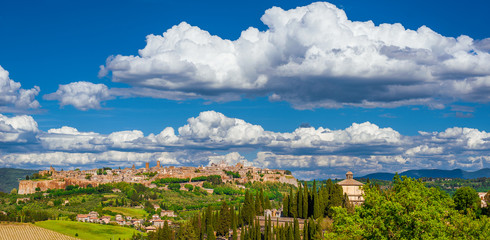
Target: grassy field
[(25, 231), (88, 231), (132, 212)]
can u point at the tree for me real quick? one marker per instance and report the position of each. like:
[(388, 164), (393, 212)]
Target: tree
[(186, 232), (174, 186), (487, 198), (248, 210), (296, 230), (299, 202), (235, 233), (224, 220), (14, 191), (466, 198), (305, 202), (189, 187), (210, 233), (285, 205)]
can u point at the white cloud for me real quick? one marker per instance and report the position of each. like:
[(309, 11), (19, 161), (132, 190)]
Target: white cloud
[(311, 56), (324, 140), (70, 139), (215, 128), (212, 137), (165, 137), (424, 149), (125, 139), (12, 96), (467, 137), (17, 129), (82, 95), (109, 158), (231, 159)]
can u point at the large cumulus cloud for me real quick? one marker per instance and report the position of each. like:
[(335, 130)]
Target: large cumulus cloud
[(311, 56), (13, 97), (212, 137)]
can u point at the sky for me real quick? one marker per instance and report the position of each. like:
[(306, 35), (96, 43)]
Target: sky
[(319, 88)]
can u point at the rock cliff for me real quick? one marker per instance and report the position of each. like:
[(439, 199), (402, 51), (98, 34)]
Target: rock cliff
[(29, 186)]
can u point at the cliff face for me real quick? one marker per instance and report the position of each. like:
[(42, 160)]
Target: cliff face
[(29, 186)]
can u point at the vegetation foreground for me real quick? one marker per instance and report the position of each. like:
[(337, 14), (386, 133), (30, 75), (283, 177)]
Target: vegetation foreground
[(404, 209)]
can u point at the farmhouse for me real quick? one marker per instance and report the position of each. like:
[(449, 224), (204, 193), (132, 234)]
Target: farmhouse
[(352, 188)]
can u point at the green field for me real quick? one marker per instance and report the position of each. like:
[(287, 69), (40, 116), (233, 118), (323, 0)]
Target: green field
[(132, 212), (88, 231)]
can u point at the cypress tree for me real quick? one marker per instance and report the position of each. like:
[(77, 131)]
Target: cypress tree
[(305, 230), (251, 210), (242, 234), (186, 232), (252, 234), (311, 229), (296, 230), (292, 205), (262, 202), (257, 230), (224, 220), (267, 203), (210, 233), (208, 216), (271, 235), (290, 233), (235, 233), (284, 233), (305, 202), (317, 211), (266, 228), (203, 225), (258, 206), (246, 208), (285, 206), (299, 202)]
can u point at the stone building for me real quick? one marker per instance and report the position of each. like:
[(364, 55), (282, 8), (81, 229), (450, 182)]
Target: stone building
[(352, 188), (482, 198)]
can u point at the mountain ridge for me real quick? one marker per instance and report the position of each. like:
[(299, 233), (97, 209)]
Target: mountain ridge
[(434, 173), (9, 177)]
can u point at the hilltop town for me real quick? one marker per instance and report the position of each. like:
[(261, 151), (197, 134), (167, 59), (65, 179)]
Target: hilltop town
[(239, 173)]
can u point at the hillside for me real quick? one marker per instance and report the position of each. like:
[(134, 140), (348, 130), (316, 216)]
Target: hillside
[(434, 173), (10, 176)]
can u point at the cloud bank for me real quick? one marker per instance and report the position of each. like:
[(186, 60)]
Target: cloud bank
[(312, 57), (212, 137)]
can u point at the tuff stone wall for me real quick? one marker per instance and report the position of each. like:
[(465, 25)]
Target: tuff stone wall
[(29, 186)]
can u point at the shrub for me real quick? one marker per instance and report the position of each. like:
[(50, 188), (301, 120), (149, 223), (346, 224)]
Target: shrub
[(189, 187), (174, 186)]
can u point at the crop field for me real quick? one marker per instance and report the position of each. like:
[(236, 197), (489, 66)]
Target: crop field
[(25, 231), (111, 195), (132, 212), (88, 231)]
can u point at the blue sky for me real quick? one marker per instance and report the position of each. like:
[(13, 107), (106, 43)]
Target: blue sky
[(370, 96)]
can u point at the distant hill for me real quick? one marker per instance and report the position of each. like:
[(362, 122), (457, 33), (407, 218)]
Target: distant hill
[(9, 178), (434, 173)]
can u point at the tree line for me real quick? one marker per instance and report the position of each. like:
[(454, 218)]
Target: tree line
[(314, 202)]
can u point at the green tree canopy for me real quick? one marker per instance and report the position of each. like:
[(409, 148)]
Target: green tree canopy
[(409, 210), (466, 198)]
